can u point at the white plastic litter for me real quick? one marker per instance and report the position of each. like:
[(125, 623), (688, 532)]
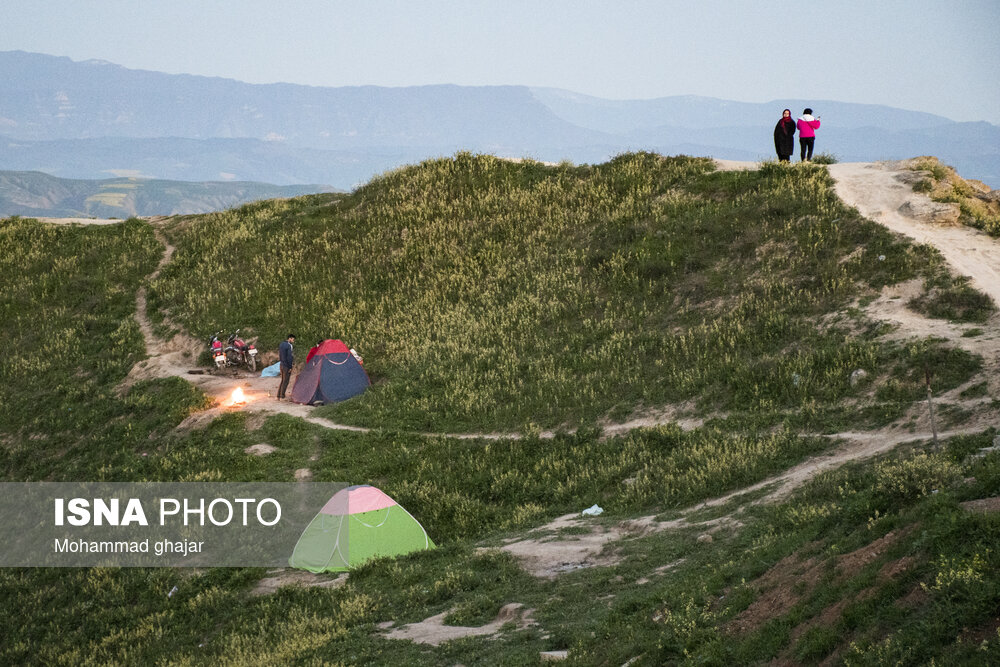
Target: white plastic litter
[(593, 510), (172, 591)]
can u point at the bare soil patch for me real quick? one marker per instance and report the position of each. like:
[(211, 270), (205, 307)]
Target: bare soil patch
[(916, 598), (850, 564), (882, 191), (987, 631), (782, 587), (985, 505), (793, 579), (433, 632), (550, 551), (282, 578)]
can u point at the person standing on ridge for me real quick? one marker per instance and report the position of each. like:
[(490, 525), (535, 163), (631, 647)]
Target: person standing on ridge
[(287, 358), (807, 133), (784, 136)]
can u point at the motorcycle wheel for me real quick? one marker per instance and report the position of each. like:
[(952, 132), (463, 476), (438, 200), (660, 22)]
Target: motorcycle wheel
[(252, 363)]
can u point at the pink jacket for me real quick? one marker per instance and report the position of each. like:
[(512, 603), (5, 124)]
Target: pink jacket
[(807, 126)]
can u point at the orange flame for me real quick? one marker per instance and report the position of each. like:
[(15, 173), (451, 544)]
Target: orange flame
[(238, 397)]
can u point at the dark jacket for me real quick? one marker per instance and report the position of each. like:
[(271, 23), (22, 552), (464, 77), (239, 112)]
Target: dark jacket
[(285, 354), (784, 138)]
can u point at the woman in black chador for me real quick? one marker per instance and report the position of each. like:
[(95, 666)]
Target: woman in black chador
[(784, 136)]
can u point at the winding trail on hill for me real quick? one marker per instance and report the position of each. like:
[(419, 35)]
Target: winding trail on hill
[(879, 191), (883, 192)]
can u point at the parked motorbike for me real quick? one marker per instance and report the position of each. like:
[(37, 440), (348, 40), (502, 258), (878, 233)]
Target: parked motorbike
[(240, 352), (217, 351)]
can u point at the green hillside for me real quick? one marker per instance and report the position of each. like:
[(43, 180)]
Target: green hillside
[(489, 295), (32, 193), (485, 294)]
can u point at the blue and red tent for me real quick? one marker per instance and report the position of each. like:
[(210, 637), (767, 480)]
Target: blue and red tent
[(332, 373)]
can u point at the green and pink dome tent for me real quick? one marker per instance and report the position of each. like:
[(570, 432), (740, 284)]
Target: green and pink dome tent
[(357, 524)]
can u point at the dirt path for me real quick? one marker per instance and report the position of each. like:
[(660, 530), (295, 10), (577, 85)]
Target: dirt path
[(879, 191), (876, 189), (573, 542), (883, 192)]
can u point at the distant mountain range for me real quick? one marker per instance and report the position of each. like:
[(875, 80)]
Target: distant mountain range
[(93, 119), (34, 194)]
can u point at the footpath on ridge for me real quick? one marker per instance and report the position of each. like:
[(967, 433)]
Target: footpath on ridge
[(879, 191)]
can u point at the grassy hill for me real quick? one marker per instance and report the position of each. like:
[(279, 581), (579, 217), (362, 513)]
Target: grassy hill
[(36, 194), (483, 295), (486, 294)]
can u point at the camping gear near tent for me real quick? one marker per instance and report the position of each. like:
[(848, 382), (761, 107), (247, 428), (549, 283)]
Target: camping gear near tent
[(357, 524), (331, 374), (272, 371)]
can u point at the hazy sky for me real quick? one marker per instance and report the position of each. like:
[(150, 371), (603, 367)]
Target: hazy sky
[(937, 56)]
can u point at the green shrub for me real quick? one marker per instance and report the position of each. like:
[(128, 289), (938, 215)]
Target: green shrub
[(957, 301), (896, 481)]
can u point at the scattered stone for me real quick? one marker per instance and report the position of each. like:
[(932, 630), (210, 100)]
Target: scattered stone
[(553, 656), (262, 449), (978, 187), (931, 211), (984, 505), (912, 177), (303, 475), (300, 578), (704, 538), (858, 375), (669, 566), (987, 450), (433, 632)]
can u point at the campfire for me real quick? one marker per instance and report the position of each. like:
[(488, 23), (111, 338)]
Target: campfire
[(236, 399)]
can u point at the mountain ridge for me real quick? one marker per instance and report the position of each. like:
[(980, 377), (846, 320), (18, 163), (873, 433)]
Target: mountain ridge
[(346, 135)]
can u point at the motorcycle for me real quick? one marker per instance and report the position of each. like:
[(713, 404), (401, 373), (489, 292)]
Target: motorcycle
[(239, 351), (217, 352)]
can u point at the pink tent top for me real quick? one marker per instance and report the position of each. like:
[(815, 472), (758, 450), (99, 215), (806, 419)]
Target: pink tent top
[(329, 346), (357, 499)]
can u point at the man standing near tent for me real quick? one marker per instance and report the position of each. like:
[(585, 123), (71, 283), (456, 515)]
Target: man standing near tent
[(287, 358)]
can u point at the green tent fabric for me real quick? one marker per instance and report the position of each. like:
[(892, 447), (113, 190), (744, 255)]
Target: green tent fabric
[(357, 524)]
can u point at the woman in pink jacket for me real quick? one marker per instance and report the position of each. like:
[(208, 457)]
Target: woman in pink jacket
[(807, 133)]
